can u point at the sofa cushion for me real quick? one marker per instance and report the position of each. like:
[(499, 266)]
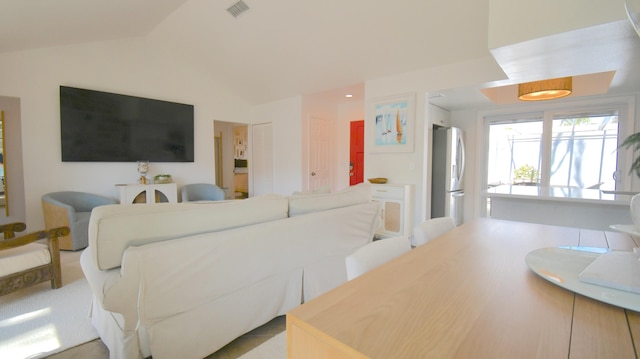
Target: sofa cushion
[(21, 258), (308, 203), (112, 229)]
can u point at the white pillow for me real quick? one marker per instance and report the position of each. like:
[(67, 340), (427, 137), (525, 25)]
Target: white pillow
[(321, 190), (357, 194)]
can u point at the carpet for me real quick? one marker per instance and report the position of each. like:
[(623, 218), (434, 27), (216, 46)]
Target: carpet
[(274, 348), (39, 321)]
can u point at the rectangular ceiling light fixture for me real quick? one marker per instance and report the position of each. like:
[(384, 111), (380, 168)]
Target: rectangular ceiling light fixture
[(238, 8)]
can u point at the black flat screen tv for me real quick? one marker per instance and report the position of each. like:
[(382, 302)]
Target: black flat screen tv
[(106, 127)]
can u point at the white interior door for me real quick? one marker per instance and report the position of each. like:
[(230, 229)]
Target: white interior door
[(319, 153), (262, 159)]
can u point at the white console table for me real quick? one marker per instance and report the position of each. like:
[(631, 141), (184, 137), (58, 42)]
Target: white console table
[(147, 193), (397, 209)]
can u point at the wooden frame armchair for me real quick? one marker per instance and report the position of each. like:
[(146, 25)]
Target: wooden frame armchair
[(24, 263), (9, 230)]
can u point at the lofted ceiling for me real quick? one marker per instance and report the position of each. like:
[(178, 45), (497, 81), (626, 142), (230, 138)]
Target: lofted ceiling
[(283, 48), (43, 23)]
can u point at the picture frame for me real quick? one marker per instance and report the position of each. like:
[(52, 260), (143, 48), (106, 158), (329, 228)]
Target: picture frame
[(393, 123)]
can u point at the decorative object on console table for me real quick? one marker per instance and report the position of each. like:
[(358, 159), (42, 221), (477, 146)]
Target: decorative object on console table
[(143, 168), (377, 180), (393, 124), (162, 178)]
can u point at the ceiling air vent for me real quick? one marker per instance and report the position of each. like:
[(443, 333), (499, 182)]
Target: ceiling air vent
[(238, 8)]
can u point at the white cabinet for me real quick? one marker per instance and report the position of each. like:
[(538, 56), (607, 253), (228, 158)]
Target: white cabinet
[(397, 209), (147, 193)]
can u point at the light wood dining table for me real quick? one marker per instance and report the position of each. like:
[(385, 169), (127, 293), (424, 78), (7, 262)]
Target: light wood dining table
[(468, 294)]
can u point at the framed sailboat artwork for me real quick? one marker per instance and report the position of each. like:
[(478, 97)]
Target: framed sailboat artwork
[(394, 123)]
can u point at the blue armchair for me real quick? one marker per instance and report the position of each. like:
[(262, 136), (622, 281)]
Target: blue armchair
[(202, 192), (73, 210)]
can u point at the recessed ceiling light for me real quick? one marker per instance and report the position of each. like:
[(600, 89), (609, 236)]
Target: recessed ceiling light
[(348, 95)]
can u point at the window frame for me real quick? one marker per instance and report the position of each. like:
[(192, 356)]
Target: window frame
[(546, 111)]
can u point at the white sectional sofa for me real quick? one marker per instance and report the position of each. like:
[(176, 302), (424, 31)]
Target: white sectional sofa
[(183, 280)]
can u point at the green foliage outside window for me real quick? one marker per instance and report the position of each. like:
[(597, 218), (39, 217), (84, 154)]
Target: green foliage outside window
[(633, 141), (526, 173)]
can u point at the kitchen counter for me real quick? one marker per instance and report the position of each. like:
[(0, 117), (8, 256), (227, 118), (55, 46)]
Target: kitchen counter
[(566, 206), (579, 195)]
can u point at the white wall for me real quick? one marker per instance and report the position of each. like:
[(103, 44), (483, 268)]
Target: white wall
[(405, 167), (412, 168), (130, 67), (285, 116)]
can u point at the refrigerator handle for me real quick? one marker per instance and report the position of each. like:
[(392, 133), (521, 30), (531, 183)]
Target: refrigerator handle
[(461, 141)]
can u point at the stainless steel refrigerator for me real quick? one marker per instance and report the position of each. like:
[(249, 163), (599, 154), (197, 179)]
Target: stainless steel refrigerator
[(447, 191)]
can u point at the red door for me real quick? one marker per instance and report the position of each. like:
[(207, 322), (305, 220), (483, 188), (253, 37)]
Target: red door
[(356, 158)]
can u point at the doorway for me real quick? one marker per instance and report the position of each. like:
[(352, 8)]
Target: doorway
[(319, 154), (230, 145)]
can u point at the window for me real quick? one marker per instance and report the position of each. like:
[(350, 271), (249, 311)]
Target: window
[(561, 147), (583, 150), (514, 152)]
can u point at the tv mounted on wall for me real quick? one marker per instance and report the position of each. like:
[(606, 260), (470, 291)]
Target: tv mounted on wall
[(106, 127)]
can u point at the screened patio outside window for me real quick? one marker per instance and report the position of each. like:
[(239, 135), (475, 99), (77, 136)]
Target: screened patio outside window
[(563, 150)]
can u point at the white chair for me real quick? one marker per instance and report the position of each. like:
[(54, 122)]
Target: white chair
[(432, 228), (374, 254)]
